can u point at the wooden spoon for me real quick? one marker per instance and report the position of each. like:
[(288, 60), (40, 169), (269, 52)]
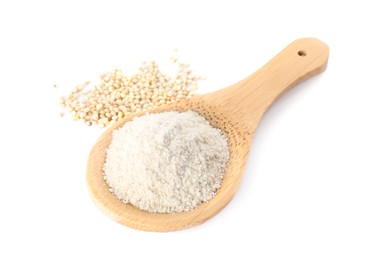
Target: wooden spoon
[(236, 110)]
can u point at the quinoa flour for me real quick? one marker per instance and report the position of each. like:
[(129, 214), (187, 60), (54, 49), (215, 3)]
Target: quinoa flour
[(167, 162)]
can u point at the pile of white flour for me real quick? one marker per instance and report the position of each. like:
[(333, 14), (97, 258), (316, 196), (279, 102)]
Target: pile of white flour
[(168, 162)]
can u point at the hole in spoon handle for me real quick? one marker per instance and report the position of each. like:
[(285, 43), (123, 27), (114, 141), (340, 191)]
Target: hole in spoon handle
[(248, 99)]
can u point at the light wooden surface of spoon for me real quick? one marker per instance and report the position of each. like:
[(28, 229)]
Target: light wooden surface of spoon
[(236, 110)]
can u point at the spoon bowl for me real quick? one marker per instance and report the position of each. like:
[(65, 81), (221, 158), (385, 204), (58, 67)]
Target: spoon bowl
[(235, 110)]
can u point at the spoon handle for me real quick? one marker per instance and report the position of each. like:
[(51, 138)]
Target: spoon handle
[(247, 100)]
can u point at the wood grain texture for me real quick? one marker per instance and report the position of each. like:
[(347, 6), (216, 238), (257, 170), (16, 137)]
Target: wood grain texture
[(236, 110)]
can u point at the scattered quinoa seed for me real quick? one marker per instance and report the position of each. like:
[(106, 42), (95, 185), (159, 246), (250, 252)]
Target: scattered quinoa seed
[(118, 95)]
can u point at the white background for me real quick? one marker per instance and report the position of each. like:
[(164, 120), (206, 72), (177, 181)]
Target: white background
[(317, 182)]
